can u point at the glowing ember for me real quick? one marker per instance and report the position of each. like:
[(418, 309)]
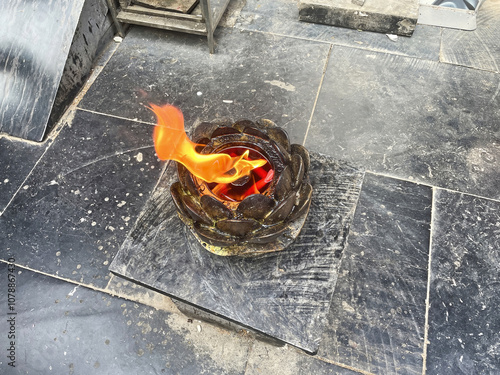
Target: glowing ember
[(258, 180), (172, 143)]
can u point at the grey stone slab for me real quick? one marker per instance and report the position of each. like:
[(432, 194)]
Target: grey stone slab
[(377, 315), (285, 294), (61, 328), (390, 16), (419, 120), (464, 324), (34, 46), (258, 75), (268, 359), (73, 212), (281, 17), (18, 159), (480, 48)]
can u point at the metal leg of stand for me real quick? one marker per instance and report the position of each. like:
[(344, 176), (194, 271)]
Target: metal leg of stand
[(207, 15), (118, 25)]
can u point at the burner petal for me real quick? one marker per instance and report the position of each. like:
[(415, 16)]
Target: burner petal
[(284, 184), (204, 130), (268, 234), (280, 136), (304, 154), (237, 227), (256, 206), (297, 169), (256, 133), (212, 237), (281, 212), (176, 192), (186, 179), (242, 124), (195, 211), (214, 208), (303, 201), (225, 130)]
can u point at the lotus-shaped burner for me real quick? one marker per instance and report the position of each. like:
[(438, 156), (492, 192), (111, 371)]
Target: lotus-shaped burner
[(259, 213)]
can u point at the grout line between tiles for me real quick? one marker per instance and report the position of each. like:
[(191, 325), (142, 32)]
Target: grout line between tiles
[(283, 35), (105, 290), (59, 277), (440, 58), (317, 94), (115, 116), (432, 186), (346, 45), (343, 365), (164, 168), (440, 54), (429, 271), (68, 116)]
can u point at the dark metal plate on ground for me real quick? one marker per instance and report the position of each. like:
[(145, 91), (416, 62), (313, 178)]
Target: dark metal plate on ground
[(285, 295), (183, 6)]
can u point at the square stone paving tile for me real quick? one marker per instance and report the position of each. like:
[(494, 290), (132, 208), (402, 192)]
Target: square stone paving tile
[(73, 212), (464, 321), (377, 315), (479, 49), (252, 75), (18, 159), (414, 119), (61, 328), (284, 294)]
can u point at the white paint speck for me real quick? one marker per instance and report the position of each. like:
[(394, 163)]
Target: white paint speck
[(6, 180), (121, 204), (228, 101), (25, 187), (58, 254), (93, 224), (105, 263), (106, 199), (139, 157), (199, 93), (73, 291), (281, 85)]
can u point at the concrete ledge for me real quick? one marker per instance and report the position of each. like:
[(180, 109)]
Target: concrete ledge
[(391, 16)]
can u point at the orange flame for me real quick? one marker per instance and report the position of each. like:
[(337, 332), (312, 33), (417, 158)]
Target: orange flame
[(172, 143)]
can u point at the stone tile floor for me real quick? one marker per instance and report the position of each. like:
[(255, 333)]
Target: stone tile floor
[(419, 281)]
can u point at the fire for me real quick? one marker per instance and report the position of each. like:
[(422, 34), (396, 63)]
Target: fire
[(172, 143)]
